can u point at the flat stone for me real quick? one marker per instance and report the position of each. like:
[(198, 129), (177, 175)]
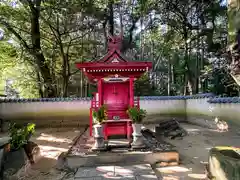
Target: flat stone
[(89, 178), (118, 142), (135, 172), (94, 171), (106, 178), (146, 177)]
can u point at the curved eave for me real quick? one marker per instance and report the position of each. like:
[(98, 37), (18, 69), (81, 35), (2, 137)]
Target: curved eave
[(120, 65)]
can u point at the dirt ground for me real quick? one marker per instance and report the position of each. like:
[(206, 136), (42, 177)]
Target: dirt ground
[(194, 150), (52, 142)]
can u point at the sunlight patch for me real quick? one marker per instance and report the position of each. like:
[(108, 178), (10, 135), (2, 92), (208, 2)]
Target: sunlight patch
[(173, 169), (46, 137), (51, 152), (197, 176)]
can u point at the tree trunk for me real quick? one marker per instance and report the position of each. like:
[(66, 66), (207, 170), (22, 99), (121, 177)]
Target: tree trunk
[(185, 89), (49, 89), (81, 85), (111, 17), (190, 87), (40, 91), (234, 38), (121, 19), (65, 86), (169, 78), (105, 35)]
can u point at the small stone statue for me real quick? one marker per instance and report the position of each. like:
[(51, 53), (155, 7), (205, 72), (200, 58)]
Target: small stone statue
[(221, 125)]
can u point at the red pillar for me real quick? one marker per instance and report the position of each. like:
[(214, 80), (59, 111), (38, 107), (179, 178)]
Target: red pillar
[(131, 91), (100, 91), (91, 122)]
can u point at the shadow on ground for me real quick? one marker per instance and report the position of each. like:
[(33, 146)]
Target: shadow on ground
[(52, 142)]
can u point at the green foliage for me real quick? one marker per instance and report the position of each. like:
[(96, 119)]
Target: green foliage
[(136, 114), (143, 86), (176, 37), (233, 20), (100, 114), (20, 135)]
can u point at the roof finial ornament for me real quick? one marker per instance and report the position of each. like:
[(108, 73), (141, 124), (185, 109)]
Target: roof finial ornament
[(114, 42)]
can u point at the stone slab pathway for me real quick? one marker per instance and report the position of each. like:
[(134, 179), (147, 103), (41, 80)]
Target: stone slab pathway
[(134, 172)]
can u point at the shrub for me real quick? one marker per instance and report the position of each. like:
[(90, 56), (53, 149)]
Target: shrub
[(20, 135), (136, 114), (100, 114)]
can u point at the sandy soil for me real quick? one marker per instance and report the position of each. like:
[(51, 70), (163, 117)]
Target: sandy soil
[(194, 150), (52, 142)]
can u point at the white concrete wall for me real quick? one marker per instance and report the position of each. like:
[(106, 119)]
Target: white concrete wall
[(163, 106), (70, 113), (76, 112), (200, 111), (158, 110)]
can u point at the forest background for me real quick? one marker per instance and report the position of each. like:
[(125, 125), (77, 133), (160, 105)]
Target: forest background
[(186, 40)]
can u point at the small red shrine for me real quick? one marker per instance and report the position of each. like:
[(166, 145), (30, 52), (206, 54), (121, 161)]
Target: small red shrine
[(115, 78)]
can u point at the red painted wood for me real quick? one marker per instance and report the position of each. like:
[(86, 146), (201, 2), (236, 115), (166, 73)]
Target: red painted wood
[(118, 128), (117, 96), (90, 123), (131, 85), (120, 65), (100, 91)]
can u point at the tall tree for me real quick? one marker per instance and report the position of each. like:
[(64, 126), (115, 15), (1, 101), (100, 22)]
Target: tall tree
[(234, 38)]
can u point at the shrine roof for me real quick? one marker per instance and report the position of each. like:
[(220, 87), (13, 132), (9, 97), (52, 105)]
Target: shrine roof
[(107, 57), (114, 58)]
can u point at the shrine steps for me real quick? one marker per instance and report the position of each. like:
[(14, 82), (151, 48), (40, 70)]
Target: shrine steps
[(80, 155), (119, 157)]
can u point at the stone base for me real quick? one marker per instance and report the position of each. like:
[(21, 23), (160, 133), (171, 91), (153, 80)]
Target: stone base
[(99, 144), (138, 147), (98, 149), (82, 155)]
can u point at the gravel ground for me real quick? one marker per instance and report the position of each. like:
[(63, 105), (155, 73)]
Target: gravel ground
[(194, 149)]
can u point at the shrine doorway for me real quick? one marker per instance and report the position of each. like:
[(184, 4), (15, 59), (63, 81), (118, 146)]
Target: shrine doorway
[(116, 98)]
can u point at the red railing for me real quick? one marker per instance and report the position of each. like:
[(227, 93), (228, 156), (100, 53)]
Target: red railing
[(136, 102), (94, 106)]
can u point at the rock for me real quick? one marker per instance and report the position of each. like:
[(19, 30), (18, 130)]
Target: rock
[(224, 163), (164, 164), (61, 161), (33, 152)]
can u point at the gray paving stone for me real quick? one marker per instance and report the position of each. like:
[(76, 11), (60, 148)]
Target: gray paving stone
[(89, 178), (134, 172), (147, 177), (94, 171), (141, 169), (106, 178)]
